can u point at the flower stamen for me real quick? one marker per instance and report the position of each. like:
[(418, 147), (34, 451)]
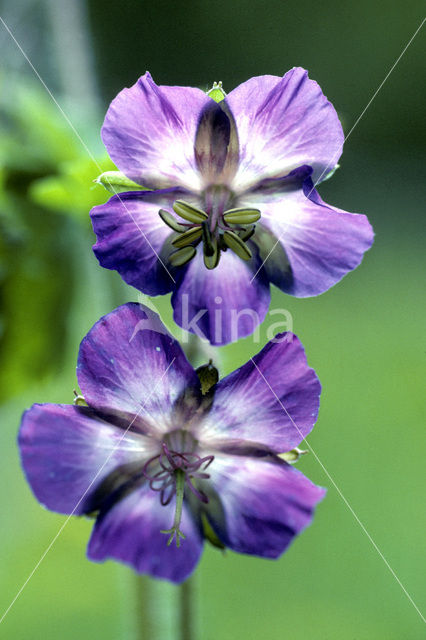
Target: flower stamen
[(241, 216), (171, 221), (189, 212), (238, 246), (217, 229), (182, 256)]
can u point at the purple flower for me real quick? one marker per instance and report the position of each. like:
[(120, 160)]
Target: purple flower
[(162, 463), (231, 204)]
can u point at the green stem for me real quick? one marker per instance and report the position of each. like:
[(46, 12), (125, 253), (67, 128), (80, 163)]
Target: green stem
[(143, 610), (186, 610)]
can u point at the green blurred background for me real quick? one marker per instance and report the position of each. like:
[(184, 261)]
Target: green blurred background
[(365, 337)]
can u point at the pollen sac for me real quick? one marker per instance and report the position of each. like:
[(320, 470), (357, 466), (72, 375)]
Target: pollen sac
[(189, 212), (238, 246), (247, 233), (171, 221), (187, 237), (182, 256), (241, 216), (211, 248)]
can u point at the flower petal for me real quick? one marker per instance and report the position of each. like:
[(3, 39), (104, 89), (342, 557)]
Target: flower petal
[(67, 452), (131, 532), (133, 240), (222, 304), (216, 145), (315, 244), (149, 132), (262, 505), (129, 365), (283, 123), (271, 402)]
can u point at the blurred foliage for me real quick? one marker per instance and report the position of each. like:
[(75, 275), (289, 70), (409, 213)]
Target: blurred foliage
[(44, 171)]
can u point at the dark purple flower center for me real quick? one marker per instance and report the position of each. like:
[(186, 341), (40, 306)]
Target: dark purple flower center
[(170, 472), (217, 226)]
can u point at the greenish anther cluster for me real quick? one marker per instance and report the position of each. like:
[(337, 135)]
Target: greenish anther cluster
[(231, 230)]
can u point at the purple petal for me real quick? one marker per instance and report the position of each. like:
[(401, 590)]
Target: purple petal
[(149, 132), (315, 244), (222, 304), (132, 239), (272, 401), (129, 365), (67, 452), (131, 533), (263, 505), (283, 123)]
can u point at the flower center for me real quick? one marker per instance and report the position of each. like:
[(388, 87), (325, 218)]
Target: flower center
[(217, 227), (170, 472)]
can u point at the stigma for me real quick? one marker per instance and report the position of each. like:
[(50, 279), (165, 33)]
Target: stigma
[(171, 473), (218, 229)]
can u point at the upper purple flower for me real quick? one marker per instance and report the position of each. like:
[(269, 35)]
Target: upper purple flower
[(231, 204), (163, 463)]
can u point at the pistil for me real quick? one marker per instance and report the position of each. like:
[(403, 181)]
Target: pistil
[(169, 473), (174, 531)]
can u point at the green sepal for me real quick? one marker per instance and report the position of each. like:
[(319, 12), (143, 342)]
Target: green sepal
[(208, 376), (331, 173), (117, 182), (293, 455), (209, 534), (216, 93)]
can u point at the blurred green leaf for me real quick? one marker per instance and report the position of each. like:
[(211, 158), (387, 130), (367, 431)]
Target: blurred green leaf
[(73, 191)]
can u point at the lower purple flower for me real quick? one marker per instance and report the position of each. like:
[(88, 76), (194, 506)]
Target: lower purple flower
[(164, 457)]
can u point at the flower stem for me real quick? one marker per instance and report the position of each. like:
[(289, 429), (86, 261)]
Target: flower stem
[(143, 606), (186, 610)]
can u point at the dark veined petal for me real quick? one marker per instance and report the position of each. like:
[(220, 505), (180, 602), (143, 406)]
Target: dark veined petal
[(310, 245), (130, 532), (283, 123), (129, 365), (67, 452), (261, 505), (134, 240), (271, 402), (221, 304), (149, 132), (216, 145)]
